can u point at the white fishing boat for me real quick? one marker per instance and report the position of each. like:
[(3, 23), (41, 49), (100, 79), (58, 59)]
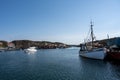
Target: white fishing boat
[(88, 50), (31, 50)]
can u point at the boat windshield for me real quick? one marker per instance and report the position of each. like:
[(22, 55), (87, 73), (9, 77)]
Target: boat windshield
[(83, 47)]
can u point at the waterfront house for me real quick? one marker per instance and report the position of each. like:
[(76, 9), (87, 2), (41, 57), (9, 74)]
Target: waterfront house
[(11, 45)]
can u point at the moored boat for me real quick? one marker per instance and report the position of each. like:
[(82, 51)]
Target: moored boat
[(113, 50), (113, 55), (88, 49), (93, 54)]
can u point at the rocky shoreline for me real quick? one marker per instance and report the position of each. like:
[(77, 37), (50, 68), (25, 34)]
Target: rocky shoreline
[(23, 44)]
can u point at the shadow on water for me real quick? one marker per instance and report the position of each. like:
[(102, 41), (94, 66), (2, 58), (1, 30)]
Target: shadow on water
[(92, 62), (99, 69), (115, 69), (114, 62)]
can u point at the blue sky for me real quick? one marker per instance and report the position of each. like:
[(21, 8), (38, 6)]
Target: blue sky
[(66, 21)]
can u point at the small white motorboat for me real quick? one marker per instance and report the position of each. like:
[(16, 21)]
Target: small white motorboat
[(31, 50)]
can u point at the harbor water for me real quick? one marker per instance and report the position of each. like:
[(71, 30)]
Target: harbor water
[(55, 64)]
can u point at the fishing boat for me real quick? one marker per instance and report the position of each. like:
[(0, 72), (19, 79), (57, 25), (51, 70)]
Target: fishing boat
[(88, 50)]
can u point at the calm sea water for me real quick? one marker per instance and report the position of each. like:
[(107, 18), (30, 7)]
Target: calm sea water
[(55, 64)]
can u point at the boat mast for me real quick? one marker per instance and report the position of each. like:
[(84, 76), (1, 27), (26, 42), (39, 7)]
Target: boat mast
[(91, 26)]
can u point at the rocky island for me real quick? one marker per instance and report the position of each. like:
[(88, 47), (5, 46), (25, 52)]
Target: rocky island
[(23, 44)]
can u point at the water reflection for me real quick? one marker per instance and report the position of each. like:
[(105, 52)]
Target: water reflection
[(59, 64), (93, 69), (29, 52), (100, 70), (115, 69)]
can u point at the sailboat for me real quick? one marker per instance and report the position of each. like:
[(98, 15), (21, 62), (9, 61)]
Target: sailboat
[(88, 50)]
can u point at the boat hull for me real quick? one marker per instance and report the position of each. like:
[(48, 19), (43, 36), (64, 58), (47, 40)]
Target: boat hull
[(113, 55), (93, 54), (30, 50)]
